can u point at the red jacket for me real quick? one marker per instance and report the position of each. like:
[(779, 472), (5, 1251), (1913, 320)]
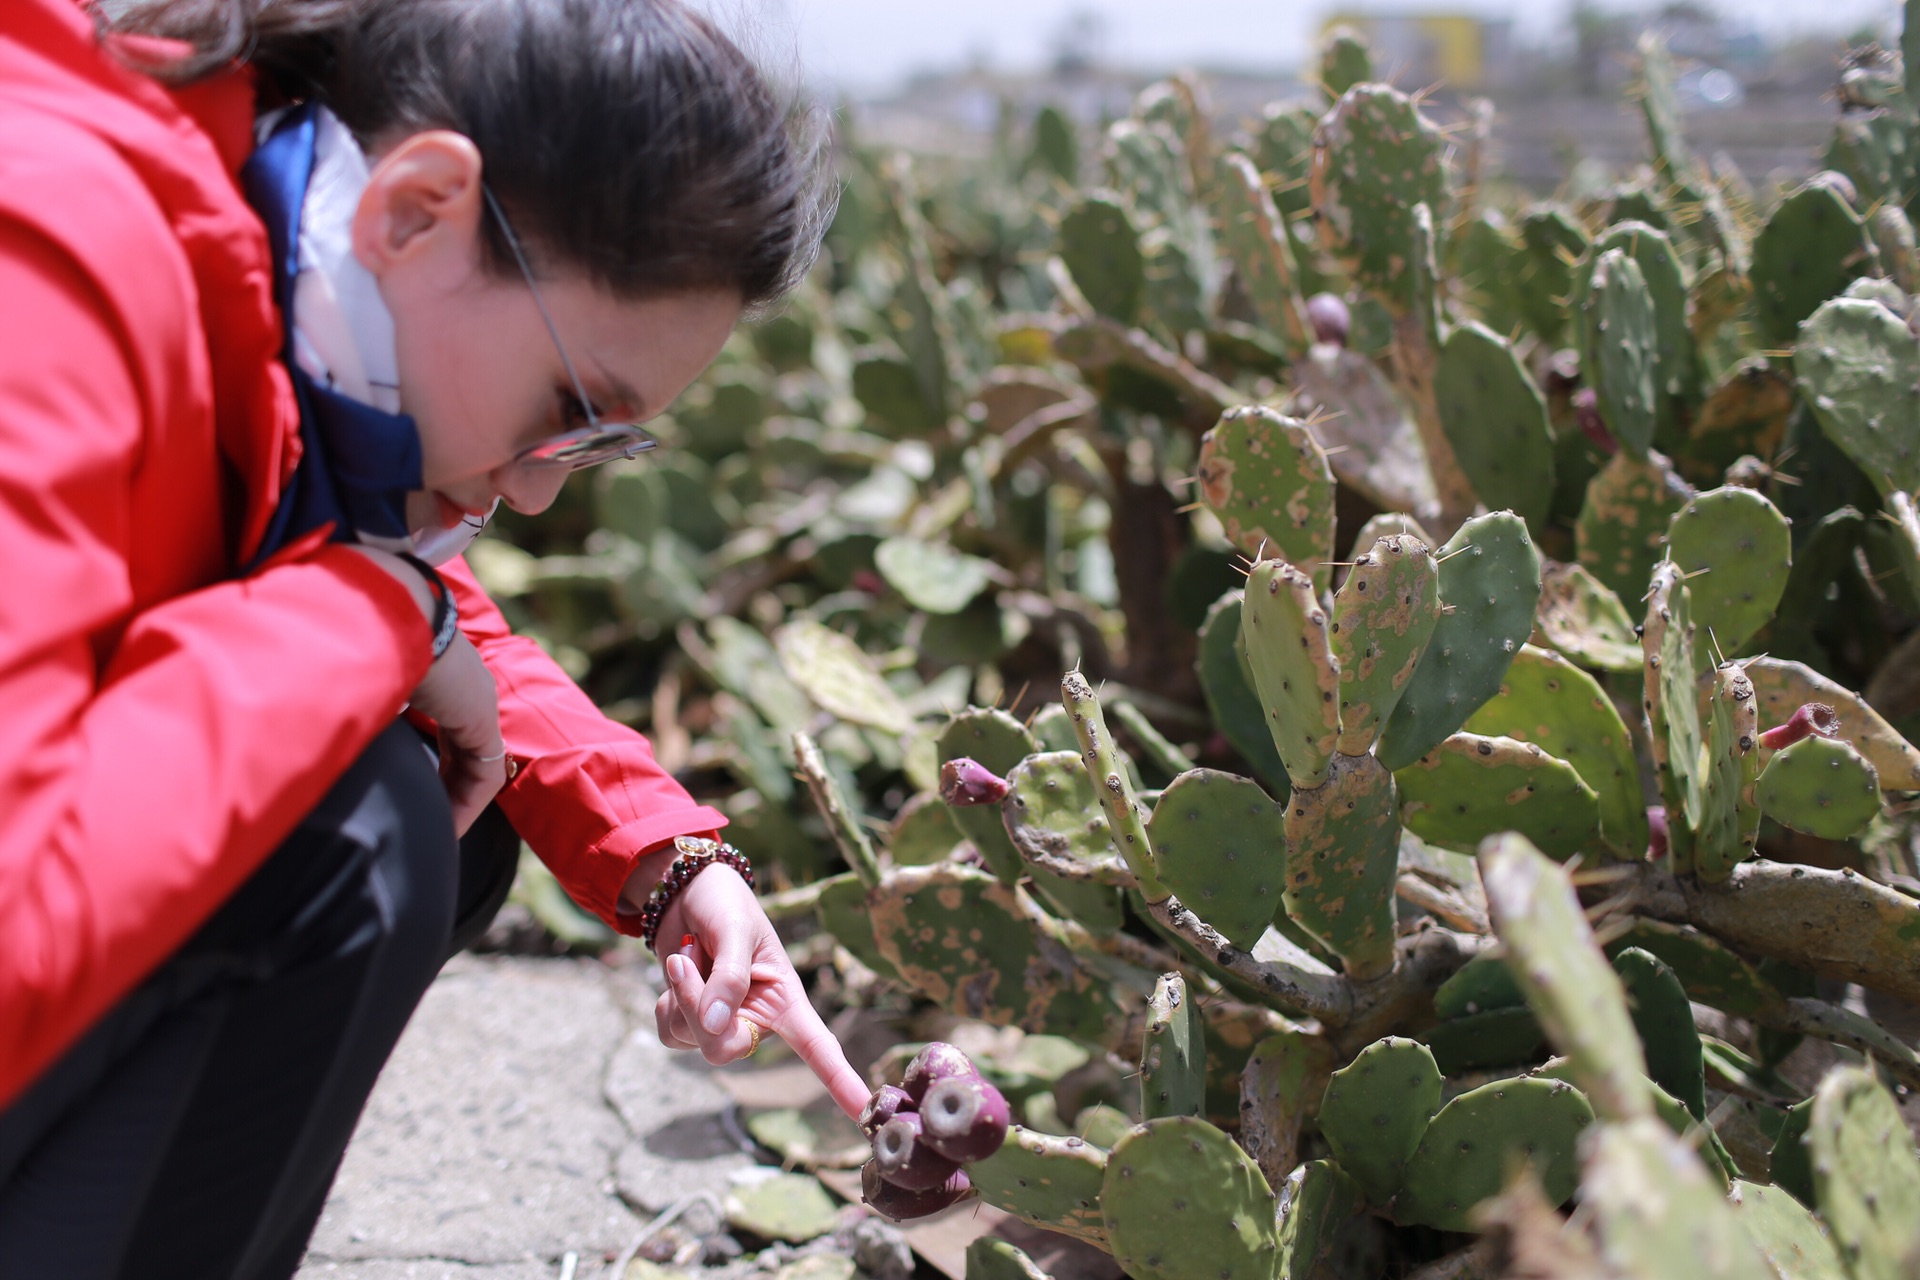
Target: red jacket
[(165, 724)]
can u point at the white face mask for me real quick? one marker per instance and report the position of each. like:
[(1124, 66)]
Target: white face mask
[(438, 544)]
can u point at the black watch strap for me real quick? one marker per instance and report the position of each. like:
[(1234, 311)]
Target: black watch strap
[(446, 618)]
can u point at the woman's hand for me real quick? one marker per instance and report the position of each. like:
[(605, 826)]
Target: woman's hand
[(459, 694), (706, 1006)]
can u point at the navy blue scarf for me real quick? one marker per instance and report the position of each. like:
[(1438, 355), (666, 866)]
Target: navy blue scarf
[(358, 463)]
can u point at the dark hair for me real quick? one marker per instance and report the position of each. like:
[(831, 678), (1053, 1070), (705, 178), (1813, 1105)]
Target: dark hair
[(628, 139)]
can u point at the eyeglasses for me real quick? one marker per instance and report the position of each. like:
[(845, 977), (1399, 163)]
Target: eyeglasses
[(586, 446)]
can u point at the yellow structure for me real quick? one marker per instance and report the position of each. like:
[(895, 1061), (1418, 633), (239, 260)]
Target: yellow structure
[(1417, 49)]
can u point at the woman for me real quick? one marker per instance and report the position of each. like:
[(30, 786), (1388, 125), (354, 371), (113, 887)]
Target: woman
[(284, 312)]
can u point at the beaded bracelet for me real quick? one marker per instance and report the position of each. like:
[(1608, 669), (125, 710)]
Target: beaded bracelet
[(693, 854)]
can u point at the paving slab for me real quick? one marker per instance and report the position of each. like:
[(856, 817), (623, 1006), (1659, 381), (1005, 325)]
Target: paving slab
[(488, 1139)]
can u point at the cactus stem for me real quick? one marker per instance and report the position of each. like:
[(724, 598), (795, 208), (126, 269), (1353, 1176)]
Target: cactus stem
[(841, 822), (1102, 763)]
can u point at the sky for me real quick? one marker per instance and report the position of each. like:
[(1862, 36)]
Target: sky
[(869, 46)]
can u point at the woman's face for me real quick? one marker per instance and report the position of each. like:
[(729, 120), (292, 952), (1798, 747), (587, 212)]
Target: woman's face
[(479, 372)]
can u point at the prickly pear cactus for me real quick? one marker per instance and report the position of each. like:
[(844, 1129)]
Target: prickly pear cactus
[(1283, 629), (1343, 842), (1049, 1181), (1464, 1155), (1820, 786), (1470, 787), (1738, 544), (1182, 1201), (1618, 348), (1858, 363), (1729, 819), (1051, 810), (1496, 420), (1865, 1175), (999, 742), (1383, 616), (1655, 1206), (1622, 527), (1173, 1058), (1267, 479), (1663, 1017), (1553, 704), (1375, 157), (1812, 245), (1219, 843), (1489, 589), (1375, 1110)]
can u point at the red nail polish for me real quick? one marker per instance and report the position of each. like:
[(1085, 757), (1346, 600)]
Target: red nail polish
[(686, 940)]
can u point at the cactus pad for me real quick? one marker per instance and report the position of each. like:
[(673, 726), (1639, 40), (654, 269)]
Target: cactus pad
[(1495, 1038), (1343, 853), (1482, 984), (1552, 242), (1048, 1181), (1283, 630), (1783, 687), (1219, 842), (1383, 616), (839, 676), (1581, 618), (1259, 244), (1465, 1155), (984, 950), (1101, 247), (1228, 686), (1812, 246), (1744, 416), (1126, 820), (1676, 375), (1791, 1239), (1619, 346), (1470, 787), (1183, 1202), (1790, 1164), (1577, 996), (1735, 549), (1865, 1175), (1322, 1201), (922, 832), (1623, 522), (1267, 479), (1656, 1208), (1496, 420), (1282, 1081), (1551, 703), (1375, 157), (1489, 589), (1858, 364), (1375, 1110), (1664, 1018), (1710, 972), (842, 910), (1729, 821), (1821, 786), (1173, 1055), (999, 742), (1051, 808)]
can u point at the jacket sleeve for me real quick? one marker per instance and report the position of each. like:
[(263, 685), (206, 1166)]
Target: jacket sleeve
[(589, 797), (151, 759)]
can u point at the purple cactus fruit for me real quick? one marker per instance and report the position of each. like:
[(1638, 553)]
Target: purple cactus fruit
[(1327, 313), (887, 1102), (936, 1061), (1586, 413), (963, 1118), (900, 1204), (905, 1159), (1811, 720), (968, 782), (1656, 832)]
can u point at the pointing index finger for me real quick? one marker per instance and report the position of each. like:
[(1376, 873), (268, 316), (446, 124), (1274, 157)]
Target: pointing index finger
[(810, 1040)]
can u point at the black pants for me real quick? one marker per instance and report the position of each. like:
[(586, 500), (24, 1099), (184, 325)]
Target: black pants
[(194, 1131)]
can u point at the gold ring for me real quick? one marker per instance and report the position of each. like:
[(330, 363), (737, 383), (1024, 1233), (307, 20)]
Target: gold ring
[(753, 1036)]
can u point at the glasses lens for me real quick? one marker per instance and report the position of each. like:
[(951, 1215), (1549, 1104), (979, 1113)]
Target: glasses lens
[(590, 446)]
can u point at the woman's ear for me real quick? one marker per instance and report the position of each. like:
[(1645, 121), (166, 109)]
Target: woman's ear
[(423, 200)]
